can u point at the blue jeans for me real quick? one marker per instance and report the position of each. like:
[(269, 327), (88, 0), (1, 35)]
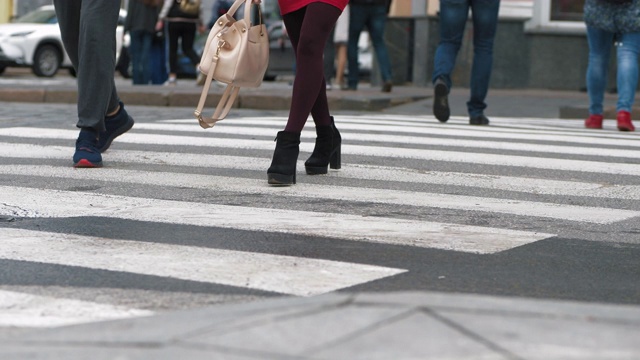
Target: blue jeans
[(373, 17), (628, 47), (140, 50), (453, 18)]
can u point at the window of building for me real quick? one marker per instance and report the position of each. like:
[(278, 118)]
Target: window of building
[(557, 16), (566, 10)]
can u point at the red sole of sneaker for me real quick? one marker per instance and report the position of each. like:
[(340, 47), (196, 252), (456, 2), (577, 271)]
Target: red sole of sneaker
[(84, 163)]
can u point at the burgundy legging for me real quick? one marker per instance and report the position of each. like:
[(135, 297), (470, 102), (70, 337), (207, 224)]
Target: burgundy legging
[(309, 35)]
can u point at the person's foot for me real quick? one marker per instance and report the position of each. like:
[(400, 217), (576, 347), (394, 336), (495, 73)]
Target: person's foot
[(87, 154), (386, 87), (624, 121), (200, 79), (171, 82), (116, 125), (441, 101), (478, 120), (594, 121)]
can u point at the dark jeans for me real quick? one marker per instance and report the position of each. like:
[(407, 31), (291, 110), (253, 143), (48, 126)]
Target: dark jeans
[(186, 32), (453, 18), (140, 51), (373, 17), (88, 29)]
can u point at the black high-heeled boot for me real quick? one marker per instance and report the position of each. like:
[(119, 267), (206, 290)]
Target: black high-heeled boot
[(283, 166), (326, 152)]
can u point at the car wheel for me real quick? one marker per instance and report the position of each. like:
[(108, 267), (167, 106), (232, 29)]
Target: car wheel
[(2, 68), (46, 61)]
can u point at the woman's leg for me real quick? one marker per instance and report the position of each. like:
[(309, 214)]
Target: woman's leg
[(309, 35), (627, 54), (188, 36), (173, 49), (600, 42)]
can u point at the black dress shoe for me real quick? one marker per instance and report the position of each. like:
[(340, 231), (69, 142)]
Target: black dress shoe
[(441, 101), (478, 120)]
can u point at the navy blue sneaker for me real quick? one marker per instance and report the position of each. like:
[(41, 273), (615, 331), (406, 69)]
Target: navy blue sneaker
[(87, 154), (116, 125)]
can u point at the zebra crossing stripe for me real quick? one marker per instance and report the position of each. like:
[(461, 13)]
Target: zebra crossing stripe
[(352, 171), (275, 273), (27, 310), (29, 202), (339, 193), (429, 141), (352, 125), (418, 154)]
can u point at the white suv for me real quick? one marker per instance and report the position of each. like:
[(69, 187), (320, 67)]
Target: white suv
[(34, 41)]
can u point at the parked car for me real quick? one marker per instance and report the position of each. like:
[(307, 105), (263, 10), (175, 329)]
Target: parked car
[(34, 41)]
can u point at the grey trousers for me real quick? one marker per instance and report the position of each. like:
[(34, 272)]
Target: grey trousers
[(88, 29)]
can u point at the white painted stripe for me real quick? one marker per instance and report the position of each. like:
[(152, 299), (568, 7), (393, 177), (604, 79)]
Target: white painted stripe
[(276, 273), (352, 171), (430, 141), (203, 140), (431, 155), (26, 310), (51, 203), (339, 193), (509, 129)]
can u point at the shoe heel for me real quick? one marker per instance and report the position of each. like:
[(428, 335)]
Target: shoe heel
[(336, 162), (281, 179)]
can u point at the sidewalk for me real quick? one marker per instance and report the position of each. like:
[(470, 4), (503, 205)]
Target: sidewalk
[(276, 96), (363, 326)]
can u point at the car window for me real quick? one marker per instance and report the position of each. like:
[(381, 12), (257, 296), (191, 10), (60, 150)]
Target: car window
[(39, 17)]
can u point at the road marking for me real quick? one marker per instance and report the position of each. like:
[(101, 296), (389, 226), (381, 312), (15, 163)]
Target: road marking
[(352, 171), (29, 202), (275, 273), (592, 150), (338, 193), (376, 151), (26, 310), (393, 126)]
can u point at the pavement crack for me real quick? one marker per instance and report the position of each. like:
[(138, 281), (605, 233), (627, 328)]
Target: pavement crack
[(471, 334)]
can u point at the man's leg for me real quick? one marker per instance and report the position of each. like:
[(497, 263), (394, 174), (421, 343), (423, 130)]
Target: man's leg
[(375, 25), (453, 18), (357, 19), (485, 22)]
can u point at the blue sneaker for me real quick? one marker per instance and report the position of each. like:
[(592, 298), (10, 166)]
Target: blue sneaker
[(116, 125), (87, 154)]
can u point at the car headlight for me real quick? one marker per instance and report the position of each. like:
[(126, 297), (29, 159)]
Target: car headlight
[(22, 34)]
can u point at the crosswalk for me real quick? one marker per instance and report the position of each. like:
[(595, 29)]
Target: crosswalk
[(406, 181)]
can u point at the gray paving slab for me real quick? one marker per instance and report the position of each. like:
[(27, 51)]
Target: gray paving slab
[(415, 325)]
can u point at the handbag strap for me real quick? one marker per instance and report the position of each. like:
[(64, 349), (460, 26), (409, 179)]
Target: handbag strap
[(224, 105), (231, 92)]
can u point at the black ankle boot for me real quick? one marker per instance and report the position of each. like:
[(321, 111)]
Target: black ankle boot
[(283, 166), (326, 151)]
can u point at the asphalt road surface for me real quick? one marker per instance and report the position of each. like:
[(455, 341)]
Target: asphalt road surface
[(180, 217)]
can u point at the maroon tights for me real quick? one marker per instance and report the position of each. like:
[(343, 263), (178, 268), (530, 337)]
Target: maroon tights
[(309, 35)]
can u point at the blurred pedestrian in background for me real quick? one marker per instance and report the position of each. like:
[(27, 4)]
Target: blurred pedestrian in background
[(372, 15), (309, 24), (182, 27), (142, 16), (453, 19), (88, 30), (220, 7), (609, 22), (340, 41)]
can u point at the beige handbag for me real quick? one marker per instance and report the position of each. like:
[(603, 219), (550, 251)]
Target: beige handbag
[(237, 54)]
